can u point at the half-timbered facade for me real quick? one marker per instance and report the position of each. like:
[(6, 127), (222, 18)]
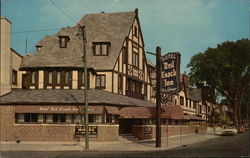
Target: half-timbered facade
[(116, 57)]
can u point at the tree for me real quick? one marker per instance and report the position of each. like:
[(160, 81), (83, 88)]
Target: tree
[(225, 68)]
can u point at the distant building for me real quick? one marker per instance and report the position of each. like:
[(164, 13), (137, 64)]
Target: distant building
[(192, 100), (10, 60)]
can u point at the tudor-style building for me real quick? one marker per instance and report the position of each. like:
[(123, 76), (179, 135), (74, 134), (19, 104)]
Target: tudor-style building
[(48, 102), (116, 57)]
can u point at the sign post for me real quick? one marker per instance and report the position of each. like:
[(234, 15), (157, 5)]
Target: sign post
[(158, 96), (167, 82)]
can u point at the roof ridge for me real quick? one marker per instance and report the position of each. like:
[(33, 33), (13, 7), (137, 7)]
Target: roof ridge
[(110, 13)]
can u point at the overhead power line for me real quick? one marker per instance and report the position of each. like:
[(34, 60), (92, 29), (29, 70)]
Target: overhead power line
[(28, 31), (63, 11), (31, 31)]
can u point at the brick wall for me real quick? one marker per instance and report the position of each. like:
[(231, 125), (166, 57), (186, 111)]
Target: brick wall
[(166, 130), (11, 131)]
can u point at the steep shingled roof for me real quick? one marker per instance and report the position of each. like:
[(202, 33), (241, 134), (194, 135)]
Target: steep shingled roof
[(193, 93), (102, 27), (58, 96)]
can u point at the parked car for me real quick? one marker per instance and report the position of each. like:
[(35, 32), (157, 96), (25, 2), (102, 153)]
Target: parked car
[(241, 129), (230, 130)]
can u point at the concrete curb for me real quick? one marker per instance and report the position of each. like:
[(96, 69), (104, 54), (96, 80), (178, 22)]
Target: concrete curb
[(100, 146)]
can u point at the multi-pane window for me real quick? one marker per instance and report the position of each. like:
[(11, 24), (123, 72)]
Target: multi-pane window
[(14, 77), (135, 59), (190, 101), (93, 118), (59, 118), (57, 78), (101, 49), (186, 102), (100, 81), (30, 117), (181, 100)]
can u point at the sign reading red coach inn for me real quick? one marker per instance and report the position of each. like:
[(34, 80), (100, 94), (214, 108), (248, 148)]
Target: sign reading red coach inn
[(170, 73)]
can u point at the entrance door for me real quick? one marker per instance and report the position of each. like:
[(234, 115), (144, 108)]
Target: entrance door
[(24, 78), (125, 126)]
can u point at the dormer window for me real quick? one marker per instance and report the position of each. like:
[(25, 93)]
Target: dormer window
[(101, 48), (38, 48), (63, 41)]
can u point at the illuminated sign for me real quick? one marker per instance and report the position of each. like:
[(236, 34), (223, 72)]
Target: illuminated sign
[(170, 73)]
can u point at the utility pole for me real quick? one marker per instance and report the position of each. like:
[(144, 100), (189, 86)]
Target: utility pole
[(83, 32), (158, 96)]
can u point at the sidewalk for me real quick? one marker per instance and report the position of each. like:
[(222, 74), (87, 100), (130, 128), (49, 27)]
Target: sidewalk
[(141, 145)]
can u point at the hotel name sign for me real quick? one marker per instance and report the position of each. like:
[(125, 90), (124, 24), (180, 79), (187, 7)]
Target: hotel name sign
[(61, 109), (55, 109), (170, 73)]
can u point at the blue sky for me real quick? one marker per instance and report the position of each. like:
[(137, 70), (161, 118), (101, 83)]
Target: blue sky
[(185, 26)]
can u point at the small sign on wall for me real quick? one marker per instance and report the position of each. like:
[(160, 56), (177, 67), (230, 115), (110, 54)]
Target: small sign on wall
[(148, 131), (80, 131)]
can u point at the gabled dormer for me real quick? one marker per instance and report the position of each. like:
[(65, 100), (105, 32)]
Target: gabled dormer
[(101, 48), (63, 41)]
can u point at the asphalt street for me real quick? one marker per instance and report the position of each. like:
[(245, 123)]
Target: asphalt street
[(224, 146)]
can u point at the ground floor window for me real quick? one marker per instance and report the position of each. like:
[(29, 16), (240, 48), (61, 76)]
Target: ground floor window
[(56, 118), (30, 117), (93, 118), (59, 118)]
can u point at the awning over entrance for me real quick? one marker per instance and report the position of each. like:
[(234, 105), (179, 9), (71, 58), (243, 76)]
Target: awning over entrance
[(112, 110), (172, 112), (136, 112), (57, 109)]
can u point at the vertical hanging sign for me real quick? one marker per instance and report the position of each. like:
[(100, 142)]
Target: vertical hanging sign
[(171, 73)]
